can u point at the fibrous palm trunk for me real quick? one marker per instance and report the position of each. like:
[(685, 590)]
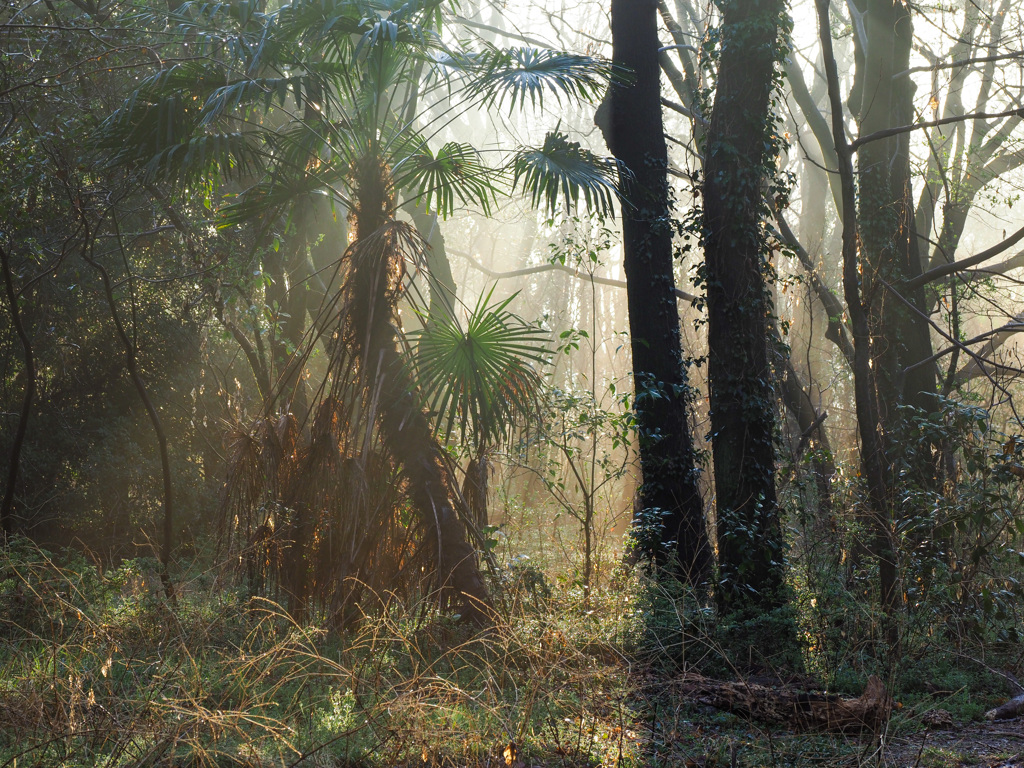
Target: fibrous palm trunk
[(373, 287)]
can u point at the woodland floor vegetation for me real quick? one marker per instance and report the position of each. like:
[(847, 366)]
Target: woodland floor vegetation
[(97, 668)]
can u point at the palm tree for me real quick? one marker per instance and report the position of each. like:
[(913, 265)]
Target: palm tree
[(343, 100)]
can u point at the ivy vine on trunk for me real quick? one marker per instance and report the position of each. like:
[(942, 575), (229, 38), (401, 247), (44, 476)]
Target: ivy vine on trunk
[(739, 165)]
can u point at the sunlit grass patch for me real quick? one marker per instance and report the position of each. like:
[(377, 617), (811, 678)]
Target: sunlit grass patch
[(99, 670)]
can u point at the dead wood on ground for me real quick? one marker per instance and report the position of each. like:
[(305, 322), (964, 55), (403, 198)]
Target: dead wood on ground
[(794, 708), (1011, 709)]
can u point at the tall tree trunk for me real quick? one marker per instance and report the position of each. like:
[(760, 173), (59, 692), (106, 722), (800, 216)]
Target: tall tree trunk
[(670, 493), (373, 287), (739, 161), (886, 221), (875, 465), (443, 291), (900, 333), (7, 507)]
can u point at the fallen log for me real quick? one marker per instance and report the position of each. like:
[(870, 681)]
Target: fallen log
[(1011, 709), (797, 709)]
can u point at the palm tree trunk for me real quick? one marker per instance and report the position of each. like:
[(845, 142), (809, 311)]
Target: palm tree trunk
[(403, 425)]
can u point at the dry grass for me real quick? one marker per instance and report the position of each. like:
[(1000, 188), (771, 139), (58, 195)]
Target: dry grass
[(98, 670)]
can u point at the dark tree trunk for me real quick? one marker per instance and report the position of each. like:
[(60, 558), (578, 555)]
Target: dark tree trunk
[(739, 159), (670, 493), (812, 436), (900, 333), (474, 488), (7, 507), (886, 220)]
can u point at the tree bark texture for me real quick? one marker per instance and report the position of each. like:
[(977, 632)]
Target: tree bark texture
[(670, 492), (875, 465), (886, 220), (739, 158)]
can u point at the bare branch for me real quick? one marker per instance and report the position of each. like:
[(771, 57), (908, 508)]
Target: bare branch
[(942, 270), (836, 331), (897, 130), (683, 111), (960, 63), (556, 268)]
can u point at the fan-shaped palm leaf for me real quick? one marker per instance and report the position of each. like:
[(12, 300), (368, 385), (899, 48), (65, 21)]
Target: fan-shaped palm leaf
[(563, 169), (454, 172), (480, 378), (518, 74)]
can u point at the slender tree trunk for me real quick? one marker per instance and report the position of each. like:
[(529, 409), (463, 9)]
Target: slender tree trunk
[(7, 508), (670, 493), (132, 363), (886, 222), (739, 161), (812, 435), (874, 462), (900, 333), (443, 291)]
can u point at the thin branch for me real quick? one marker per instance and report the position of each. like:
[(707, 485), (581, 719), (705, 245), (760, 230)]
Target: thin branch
[(897, 130), (960, 63), (973, 355), (836, 331), (957, 266), (556, 268), (678, 47), (1014, 326), (498, 31), (683, 111)]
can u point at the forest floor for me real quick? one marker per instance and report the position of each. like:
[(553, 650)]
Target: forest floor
[(986, 745), (96, 669)]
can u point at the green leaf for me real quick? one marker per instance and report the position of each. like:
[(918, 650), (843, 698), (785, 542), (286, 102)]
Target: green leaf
[(563, 170), (480, 377), (454, 172), (525, 73)]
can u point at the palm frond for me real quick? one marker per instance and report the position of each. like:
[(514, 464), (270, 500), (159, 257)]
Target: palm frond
[(524, 73), (454, 172), (480, 378), (242, 95), (562, 169), (232, 155), (275, 193), (309, 20)]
